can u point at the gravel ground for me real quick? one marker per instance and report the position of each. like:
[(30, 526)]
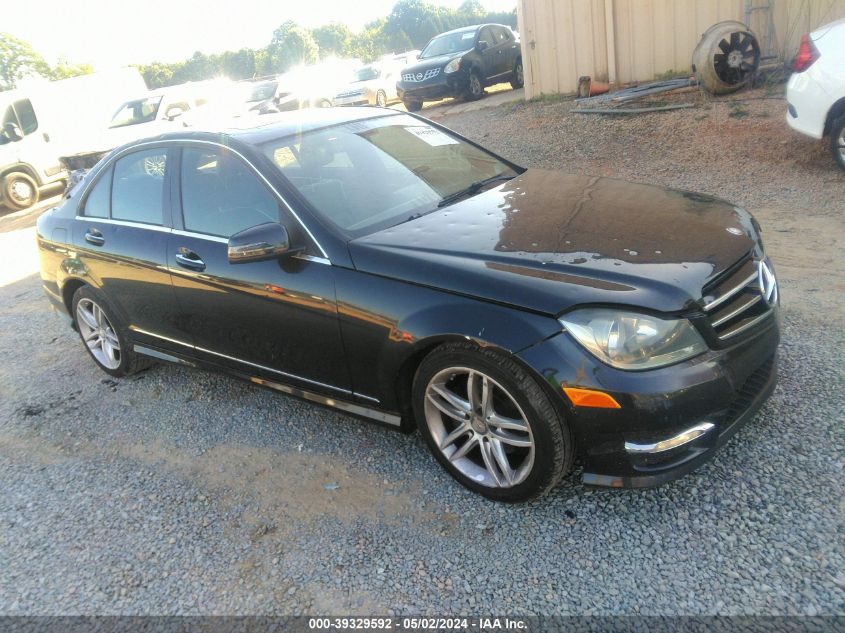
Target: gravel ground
[(182, 492)]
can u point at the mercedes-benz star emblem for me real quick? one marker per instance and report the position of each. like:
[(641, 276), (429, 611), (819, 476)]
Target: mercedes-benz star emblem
[(768, 283)]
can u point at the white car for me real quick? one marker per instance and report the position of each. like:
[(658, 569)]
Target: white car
[(815, 94)]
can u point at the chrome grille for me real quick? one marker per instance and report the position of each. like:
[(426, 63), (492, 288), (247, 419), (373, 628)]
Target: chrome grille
[(737, 303), (421, 76)]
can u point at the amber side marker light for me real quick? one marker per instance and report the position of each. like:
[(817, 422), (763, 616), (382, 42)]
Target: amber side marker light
[(591, 398)]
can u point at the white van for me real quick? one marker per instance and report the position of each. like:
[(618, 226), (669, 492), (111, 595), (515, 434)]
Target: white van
[(44, 120)]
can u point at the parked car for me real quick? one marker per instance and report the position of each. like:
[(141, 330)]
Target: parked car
[(374, 84), (375, 262), (461, 63), (43, 121), (815, 93)]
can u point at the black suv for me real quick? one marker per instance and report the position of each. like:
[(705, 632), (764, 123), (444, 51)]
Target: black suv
[(461, 63)]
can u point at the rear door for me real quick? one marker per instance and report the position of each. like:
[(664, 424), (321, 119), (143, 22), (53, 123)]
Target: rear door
[(507, 47), (275, 318), (121, 235)]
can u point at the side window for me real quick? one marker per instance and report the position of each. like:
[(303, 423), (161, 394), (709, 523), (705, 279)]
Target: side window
[(487, 36), (97, 202), (222, 196), (502, 35), (138, 187), (26, 116)]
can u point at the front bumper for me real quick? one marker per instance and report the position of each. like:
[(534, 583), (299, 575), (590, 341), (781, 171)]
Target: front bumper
[(671, 419), (440, 87)]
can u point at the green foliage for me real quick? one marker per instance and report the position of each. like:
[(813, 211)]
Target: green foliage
[(291, 45), (65, 70), (19, 60), (410, 24)]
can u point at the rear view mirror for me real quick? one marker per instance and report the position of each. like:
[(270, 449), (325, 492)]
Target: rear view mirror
[(174, 113), (265, 241), (482, 46)]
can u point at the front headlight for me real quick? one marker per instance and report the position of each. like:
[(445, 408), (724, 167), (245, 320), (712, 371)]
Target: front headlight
[(628, 340), (453, 66)]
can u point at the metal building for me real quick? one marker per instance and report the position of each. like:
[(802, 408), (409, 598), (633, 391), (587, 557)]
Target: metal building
[(623, 41)]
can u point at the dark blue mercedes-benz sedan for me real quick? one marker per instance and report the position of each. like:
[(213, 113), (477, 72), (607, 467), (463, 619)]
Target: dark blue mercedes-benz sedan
[(376, 262)]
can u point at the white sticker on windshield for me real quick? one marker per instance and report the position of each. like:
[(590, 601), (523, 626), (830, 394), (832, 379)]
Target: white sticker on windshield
[(468, 36), (431, 136)]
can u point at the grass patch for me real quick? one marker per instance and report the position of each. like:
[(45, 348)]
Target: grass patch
[(738, 110)]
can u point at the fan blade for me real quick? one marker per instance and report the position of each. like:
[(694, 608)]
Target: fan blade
[(724, 47), (734, 40)]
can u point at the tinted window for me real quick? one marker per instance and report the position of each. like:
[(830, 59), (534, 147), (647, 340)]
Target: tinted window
[(138, 187), (221, 195), (366, 175), (26, 116), (502, 35), (97, 202)]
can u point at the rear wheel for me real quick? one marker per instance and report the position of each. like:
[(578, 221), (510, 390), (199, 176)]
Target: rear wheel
[(381, 99), (20, 191), (413, 106), (475, 87), (837, 141), (103, 336), (518, 80), (490, 424)]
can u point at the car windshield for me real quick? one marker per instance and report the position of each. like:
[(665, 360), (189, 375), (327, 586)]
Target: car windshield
[(364, 176), (367, 73), (448, 44), (262, 92), (137, 111)]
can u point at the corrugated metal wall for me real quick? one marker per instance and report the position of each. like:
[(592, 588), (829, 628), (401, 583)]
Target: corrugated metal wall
[(636, 40)]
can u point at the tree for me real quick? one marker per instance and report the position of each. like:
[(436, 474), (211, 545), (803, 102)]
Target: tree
[(18, 60), (472, 9), (65, 70), (239, 64), (291, 45), (332, 39)]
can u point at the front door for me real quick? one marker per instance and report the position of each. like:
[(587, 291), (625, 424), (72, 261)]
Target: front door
[(276, 318)]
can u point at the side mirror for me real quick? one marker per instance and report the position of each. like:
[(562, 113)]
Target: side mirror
[(174, 113), (265, 241), (12, 131), (482, 46)]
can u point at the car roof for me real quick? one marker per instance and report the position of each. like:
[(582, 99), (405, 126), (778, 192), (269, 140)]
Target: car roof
[(275, 126), (463, 29)]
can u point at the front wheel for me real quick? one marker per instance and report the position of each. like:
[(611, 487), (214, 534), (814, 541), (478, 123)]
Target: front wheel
[(103, 336), (20, 191), (837, 141), (490, 424), (413, 106), (475, 87), (518, 80)]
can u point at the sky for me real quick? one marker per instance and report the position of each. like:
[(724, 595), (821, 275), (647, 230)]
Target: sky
[(108, 33)]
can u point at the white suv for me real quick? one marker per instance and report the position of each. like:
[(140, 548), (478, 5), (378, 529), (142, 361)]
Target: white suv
[(815, 94)]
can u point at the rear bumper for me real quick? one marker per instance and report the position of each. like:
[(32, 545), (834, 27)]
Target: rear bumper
[(671, 419), (807, 104)]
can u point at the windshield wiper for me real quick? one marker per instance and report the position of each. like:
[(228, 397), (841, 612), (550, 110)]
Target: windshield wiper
[(471, 189)]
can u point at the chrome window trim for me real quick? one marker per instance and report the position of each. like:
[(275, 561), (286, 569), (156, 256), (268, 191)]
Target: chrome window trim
[(130, 224), (135, 328), (228, 148), (313, 258), (201, 236)]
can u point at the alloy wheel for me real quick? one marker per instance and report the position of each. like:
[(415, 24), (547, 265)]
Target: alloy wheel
[(98, 334), (479, 427), (520, 78), (475, 85), (840, 142)]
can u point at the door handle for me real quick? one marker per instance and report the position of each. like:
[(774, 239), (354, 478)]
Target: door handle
[(93, 236), (190, 260)]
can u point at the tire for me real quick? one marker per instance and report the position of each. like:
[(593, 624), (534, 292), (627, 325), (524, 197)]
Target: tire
[(89, 304), (475, 87), (837, 141), (413, 106), (518, 80), (381, 99), (20, 191), (324, 103), (538, 455)]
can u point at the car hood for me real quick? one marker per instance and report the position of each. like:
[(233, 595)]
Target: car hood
[(431, 62), (546, 241)]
